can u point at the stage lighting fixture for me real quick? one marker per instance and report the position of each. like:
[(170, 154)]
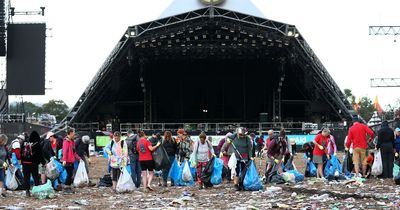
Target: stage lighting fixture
[(204, 36), (188, 39), (163, 37), (290, 33), (232, 31), (196, 37), (235, 38), (296, 35), (219, 36), (226, 37)]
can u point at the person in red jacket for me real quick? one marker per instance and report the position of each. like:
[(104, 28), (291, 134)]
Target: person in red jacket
[(68, 158), (320, 149), (357, 136)]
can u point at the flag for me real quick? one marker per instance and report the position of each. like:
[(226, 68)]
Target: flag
[(377, 106)]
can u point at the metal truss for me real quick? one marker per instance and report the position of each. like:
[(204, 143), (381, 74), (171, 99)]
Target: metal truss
[(209, 12), (385, 82), (332, 93), (384, 30)]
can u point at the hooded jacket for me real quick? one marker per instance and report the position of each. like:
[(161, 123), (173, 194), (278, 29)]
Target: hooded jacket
[(36, 157)]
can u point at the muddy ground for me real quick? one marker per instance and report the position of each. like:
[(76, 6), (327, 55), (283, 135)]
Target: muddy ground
[(310, 194)]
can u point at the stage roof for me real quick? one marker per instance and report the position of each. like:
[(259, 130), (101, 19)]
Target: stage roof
[(213, 33)]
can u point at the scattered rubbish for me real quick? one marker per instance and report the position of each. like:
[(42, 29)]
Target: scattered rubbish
[(82, 202), (294, 194)]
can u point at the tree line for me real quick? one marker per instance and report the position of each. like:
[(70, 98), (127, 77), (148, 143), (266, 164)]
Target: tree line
[(58, 108)]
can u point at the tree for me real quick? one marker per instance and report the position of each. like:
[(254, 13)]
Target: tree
[(351, 98), (366, 109), (58, 108), (28, 107)]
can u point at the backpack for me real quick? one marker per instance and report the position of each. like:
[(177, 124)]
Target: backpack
[(260, 141), (142, 148), (28, 150), (122, 144)]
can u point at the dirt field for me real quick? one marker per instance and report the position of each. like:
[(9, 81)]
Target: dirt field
[(310, 194)]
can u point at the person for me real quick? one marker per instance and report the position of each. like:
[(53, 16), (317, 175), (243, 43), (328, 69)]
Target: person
[(117, 151), (184, 145), (308, 149), (31, 157), (241, 144), (276, 152), (203, 151), (15, 146), (4, 162), (170, 146), (288, 153), (268, 141), (155, 138), (253, 144), (386, 146), (133, 154), (331, 147), (146, 159), (49, 150), (260, 145), (223, 154), (397, 142), (68, 159), (320, 144), (82, 149), (357, 135)]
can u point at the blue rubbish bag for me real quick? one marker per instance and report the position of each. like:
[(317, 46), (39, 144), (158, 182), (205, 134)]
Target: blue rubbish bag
[(55, 184), (252, 181), (174, 170), (333, 166), (63, 176), (179, 180), (59, 166), (105, 154), (76, 164), (216, 176), (129, 169), (311, 168), (14, 161), (298, 176)]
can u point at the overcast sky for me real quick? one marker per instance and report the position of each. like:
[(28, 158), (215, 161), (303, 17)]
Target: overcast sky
[(85, 31)]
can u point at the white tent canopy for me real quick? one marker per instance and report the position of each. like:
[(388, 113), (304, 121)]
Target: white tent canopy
[(182, 6)]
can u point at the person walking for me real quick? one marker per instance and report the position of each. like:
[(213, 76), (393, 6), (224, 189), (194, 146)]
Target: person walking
[(118, 157), (146, 159), (320, 149), (68, 159), (31, 157), (185, 145), (202, 151), (133, 154), (243, 152), (387, 147), (3, 162), (357, 136), (170, 146), (49, 150)]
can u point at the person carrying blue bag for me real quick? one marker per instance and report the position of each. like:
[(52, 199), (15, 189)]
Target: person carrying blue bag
[(252, 181)]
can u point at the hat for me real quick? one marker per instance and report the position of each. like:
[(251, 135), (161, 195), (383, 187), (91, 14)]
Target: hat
[(397, 130), (85, 139), (326, 130), (117, 133), (49, 134), (241, 131), (181, 131), (22, 137)]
